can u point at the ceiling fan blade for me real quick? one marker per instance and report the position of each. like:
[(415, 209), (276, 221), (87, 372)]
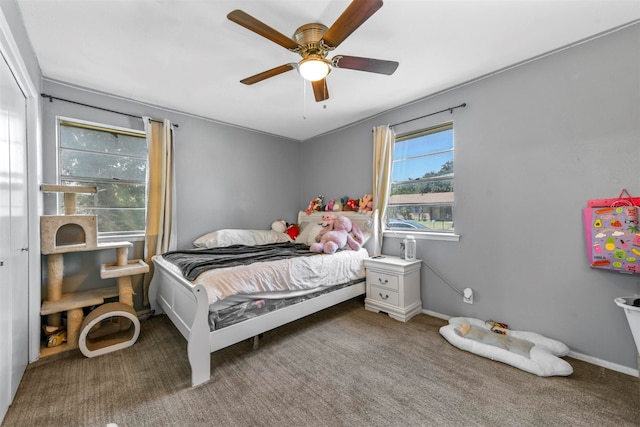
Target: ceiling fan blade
[(353, 16), (258, 27), (320, 90), (371, 65), (266, 74)]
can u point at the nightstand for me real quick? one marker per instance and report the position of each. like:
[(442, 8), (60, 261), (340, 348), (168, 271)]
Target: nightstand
[(393, 287)]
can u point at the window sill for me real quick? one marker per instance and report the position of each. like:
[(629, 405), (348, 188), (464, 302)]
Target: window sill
[(121, 238), (421, 235)]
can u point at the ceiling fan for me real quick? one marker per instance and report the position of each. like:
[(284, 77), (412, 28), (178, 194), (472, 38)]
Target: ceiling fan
[(313, 42)]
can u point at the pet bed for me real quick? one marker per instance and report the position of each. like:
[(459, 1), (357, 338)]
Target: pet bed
[(188, 303), (528, 351)]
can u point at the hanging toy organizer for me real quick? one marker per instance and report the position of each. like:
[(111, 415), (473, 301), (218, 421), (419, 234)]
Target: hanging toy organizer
[(612, 233)]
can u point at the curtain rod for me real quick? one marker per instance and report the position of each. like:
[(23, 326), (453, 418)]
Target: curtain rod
[(51, 98), (450, 110)]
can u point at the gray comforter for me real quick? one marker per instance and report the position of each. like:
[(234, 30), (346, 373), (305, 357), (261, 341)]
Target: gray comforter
[(195, 261)]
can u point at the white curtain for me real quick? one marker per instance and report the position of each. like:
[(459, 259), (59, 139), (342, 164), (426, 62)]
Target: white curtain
[(161, 195), (383, 140)]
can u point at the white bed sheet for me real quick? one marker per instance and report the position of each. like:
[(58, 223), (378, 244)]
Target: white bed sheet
[(287, 277)]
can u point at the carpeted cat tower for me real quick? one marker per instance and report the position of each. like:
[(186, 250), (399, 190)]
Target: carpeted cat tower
[(109, 327)]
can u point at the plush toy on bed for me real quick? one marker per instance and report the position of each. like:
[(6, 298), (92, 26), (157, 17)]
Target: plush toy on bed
[(293, 230), (327, 221), (338, 232), (281, 226)]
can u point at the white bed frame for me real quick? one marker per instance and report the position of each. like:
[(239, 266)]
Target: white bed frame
[(187, 306)]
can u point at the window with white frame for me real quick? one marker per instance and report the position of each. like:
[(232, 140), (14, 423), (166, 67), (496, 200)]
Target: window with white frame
[(114, 160), (421, 195)]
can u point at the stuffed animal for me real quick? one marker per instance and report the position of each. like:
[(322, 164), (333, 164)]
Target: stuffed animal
[(349, 204), (338, 236), (293, 230), (315, 204), (282, 226), (327, 224), (366, 203), (343, 202), (330, 204), (279, 225)]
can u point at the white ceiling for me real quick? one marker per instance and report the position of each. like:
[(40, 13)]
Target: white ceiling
[(185, 55)]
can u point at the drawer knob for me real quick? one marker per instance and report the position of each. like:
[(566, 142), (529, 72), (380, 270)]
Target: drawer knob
[(383, 296), (384, 282)]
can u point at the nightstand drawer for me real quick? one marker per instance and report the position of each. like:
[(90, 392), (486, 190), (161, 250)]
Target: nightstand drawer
[(380, 279), (384, 295)]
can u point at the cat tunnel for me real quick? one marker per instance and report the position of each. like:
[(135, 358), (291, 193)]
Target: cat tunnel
[(110, 327)]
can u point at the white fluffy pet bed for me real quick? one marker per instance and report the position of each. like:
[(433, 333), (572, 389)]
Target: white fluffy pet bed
[(528, 351)]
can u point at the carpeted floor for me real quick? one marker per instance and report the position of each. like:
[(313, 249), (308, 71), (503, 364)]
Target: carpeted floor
[(340, 367)]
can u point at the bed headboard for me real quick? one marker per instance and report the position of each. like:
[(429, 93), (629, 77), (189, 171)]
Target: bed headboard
[(366, 221)]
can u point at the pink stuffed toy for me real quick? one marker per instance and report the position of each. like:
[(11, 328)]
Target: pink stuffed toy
[(327, 224), (336, 235)]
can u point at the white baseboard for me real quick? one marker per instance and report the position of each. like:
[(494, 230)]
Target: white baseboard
[(585, 358), (435, 314), (605, 364)]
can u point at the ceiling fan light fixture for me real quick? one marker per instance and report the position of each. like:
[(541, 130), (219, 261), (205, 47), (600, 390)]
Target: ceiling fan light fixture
[(314, 68)]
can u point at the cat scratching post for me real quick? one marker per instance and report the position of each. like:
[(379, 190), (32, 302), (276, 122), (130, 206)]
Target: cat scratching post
[(55, 270), (74, 320), (125, 289)]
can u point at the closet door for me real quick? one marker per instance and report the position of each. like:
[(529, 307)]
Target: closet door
[(14, 307), (19, 257), (5, 245)]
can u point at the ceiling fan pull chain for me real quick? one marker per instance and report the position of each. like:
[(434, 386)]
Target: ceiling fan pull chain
[(304, 99)]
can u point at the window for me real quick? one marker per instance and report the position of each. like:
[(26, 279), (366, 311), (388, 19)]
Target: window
[(114, 160), (421, 194)]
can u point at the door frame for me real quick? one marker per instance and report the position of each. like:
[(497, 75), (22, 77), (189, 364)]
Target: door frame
[(10, 52)]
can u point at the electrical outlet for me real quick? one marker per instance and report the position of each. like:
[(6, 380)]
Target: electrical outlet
[(467, 296)]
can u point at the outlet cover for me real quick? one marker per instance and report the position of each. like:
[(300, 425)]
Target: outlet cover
[(467, 296)]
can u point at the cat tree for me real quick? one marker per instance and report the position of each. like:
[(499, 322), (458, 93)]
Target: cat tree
[(110, 326)]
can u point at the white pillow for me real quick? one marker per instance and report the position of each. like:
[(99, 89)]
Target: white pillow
[(228, 237), (308, 233)]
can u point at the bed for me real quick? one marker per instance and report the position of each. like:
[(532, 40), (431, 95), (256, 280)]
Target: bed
[(195, 306)]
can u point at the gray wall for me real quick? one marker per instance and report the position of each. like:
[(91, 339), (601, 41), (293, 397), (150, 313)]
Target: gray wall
[(533, 145)]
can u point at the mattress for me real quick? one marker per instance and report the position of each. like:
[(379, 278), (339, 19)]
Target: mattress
[(285, 278)]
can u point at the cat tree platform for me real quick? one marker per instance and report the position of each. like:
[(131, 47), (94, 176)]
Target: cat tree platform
[(133, 267)]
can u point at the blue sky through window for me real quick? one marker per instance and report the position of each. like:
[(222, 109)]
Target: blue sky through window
[(416, 168)]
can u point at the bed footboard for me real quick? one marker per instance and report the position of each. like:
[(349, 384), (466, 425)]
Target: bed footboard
[(187, 306)]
